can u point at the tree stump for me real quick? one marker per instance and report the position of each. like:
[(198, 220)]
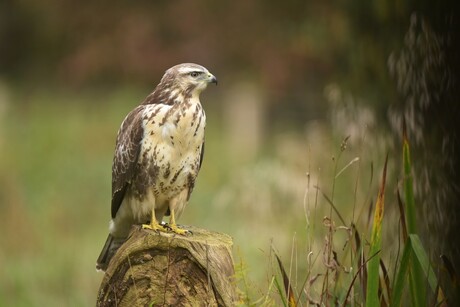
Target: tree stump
[(152, 269)]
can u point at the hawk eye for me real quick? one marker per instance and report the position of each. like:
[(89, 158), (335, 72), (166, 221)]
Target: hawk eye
[(194, 74)]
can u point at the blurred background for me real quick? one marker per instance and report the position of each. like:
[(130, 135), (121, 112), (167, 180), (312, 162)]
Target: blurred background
[(295, 79)]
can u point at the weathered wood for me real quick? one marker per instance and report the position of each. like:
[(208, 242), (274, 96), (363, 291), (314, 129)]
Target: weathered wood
[(152, 269)]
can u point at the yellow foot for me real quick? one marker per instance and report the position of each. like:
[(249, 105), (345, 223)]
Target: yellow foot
[(175, 229), (155, 227)]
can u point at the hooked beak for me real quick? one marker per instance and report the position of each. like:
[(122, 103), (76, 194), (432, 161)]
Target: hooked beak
[(212, 79)]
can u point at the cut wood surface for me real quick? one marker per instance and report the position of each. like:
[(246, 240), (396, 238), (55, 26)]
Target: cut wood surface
[(162, 269)]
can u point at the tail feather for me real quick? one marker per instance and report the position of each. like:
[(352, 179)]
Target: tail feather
[(110, 248)]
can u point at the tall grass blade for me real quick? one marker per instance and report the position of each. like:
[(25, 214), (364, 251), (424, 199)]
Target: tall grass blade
[(333, 207), (415, 273), (386, 278), (403, 216), (356, 159), (287, 284), (280, 291), (414, 253), (362, 273), (376, 242), (369, 213), (361, 268), (401, 275), (423, 261)]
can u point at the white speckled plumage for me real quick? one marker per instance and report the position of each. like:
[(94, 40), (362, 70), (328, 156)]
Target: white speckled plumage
[(158, 152)]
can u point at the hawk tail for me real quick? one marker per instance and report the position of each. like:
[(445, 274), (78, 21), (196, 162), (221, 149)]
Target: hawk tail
[(110, 248)]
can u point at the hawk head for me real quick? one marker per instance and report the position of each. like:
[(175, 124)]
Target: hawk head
[(180, 83), (188, 78)]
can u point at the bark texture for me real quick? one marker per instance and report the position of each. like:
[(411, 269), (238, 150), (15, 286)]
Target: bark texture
[(152, 269)]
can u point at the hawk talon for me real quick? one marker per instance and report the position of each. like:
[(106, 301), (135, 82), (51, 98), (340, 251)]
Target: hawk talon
[(177, 230), (156, 228)]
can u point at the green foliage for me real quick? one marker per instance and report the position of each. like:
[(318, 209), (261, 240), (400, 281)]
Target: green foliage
[(415, 254), (414, 259), (376, 286), (401, 275), (373, 277), (281, 292), (415, 275)]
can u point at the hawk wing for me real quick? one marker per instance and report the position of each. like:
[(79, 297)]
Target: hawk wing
[(127, 149)]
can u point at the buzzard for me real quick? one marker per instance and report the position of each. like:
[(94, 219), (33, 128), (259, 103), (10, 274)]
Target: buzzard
[(158, 154)]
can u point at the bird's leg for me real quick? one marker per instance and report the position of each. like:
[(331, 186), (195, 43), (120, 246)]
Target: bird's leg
[(154, 225), (174, 228)]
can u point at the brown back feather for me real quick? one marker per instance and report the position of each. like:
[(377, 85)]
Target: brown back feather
[(127, 151)]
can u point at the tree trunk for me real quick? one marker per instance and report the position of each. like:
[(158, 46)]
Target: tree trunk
[(152, 269)]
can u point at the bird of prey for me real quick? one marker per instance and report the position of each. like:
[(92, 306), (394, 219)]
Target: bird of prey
[(158, 154)]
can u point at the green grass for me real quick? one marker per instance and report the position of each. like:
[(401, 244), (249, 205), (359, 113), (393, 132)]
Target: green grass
[(55, 161), (373, 279), (370, 284)]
